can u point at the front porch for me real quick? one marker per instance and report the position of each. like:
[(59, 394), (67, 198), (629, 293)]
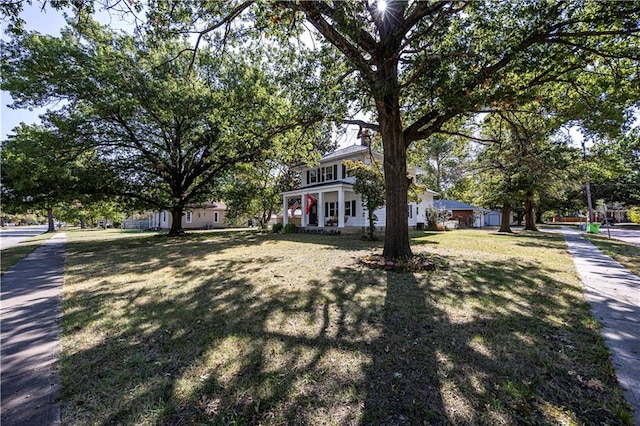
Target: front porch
[(333, 205)]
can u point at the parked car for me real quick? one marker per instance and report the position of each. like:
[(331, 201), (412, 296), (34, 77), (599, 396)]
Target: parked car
[(608, 221)]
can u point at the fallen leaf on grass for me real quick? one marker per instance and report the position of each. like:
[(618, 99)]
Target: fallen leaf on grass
[(594, 384)]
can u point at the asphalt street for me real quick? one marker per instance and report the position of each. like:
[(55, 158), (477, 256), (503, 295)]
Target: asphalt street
[(622, 233), (14, 235)]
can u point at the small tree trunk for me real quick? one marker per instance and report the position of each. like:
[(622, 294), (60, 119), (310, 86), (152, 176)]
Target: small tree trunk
[(372, 225), (83, 223), (176, 222), (505, 225), (52, 226), (530, 213)]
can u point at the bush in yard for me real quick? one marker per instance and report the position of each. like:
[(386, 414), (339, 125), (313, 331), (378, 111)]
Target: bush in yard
[(277, 227), (634, 214), (432, 218), (290, 228)]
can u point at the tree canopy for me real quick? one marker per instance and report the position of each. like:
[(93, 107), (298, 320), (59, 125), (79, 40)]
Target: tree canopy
[(37, 174), (172, 130)]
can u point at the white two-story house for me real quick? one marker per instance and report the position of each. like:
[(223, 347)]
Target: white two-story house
[(326, 197)]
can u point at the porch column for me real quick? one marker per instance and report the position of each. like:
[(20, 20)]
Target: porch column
[(303, 210), (341, 208), (285, 211), (320, 210)]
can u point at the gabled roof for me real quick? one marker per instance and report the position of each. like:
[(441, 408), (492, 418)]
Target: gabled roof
[(455, 205)]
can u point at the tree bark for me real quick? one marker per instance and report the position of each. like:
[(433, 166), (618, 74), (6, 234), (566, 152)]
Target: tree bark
[(396, 241), (372, 225), (83, 223), (387, 96), (530, 213), (176, 222), (52, 226), (505, 225)]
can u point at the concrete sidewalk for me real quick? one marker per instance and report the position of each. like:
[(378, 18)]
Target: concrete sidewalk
[(30, 337), (614, 295)]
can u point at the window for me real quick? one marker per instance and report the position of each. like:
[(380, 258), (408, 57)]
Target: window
[(328, 173), (189, 217), (330, 209), (164, 216), (350, 208), (417, 210), (312, 176), (216, 217), (410, 208)]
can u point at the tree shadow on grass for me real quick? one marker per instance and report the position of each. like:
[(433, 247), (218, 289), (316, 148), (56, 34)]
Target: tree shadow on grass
[(482, 343)]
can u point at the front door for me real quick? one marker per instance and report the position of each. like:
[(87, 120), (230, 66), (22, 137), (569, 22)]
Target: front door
[(313, 214)]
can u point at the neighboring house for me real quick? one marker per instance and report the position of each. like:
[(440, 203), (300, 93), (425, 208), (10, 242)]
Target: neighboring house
[(326, 197), (494, 218), (468, 216), (197, 216)]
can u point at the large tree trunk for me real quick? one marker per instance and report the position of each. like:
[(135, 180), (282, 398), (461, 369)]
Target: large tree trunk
[(505, 225), (396, 241), (52, 226), (176, 222), (530, 213)]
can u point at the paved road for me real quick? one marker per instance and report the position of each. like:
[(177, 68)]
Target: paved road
[(30, 337), (614, 295), (13, 235), (621, 233)]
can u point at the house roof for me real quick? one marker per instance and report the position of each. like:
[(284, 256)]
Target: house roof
[(347, 152), (215, 205), (334, 182), (455, 205)]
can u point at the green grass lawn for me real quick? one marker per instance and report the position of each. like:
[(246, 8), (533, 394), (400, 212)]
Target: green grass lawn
[(626, 254), (12, 255), (249, 328)]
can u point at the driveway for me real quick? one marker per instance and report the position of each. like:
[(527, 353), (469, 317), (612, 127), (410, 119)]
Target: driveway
[(13, 235), (621, 233)]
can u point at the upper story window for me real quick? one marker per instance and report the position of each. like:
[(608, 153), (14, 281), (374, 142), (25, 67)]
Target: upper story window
[(322, 174), (328, 173), (313, 176)]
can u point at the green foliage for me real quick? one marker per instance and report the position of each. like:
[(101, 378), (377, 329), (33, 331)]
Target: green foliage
[(525, 162), (634, 214), (171, 129), (614, 168), (253, 192), (41, 171), (276, 228), (432, 214), (446, 159), (370, 185), (289, 228)]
